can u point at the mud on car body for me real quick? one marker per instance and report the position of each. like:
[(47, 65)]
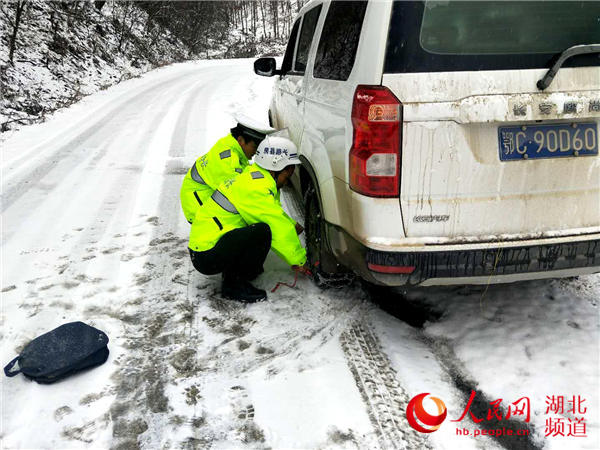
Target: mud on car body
[(445, 142)]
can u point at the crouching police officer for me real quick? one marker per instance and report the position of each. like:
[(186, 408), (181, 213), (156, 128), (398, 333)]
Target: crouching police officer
[(234, 229), (226, 159)]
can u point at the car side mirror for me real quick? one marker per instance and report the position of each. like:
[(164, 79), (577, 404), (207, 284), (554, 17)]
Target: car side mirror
[(266, 67)]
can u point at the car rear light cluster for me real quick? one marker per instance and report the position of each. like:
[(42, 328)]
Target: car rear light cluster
[(375, 152)]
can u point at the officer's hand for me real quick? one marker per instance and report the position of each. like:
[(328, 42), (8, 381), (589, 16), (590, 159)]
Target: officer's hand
[(299, 228)]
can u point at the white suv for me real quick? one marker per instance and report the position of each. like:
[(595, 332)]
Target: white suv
[(437, 146)]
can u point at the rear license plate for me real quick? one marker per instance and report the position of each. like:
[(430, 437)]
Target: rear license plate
[(547, 141)]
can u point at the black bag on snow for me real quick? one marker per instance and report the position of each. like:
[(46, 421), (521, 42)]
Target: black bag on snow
[(61, 352)]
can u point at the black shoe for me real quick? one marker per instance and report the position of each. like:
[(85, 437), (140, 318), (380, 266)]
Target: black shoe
[(242, 291)]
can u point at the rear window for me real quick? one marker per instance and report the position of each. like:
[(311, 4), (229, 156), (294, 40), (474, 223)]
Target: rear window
[(437, 36), (339, 40)]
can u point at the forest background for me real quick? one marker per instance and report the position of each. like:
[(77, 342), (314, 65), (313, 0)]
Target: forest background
[(52, 53)]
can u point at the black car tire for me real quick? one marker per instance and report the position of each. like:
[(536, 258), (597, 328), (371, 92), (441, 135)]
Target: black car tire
[(323, 264)]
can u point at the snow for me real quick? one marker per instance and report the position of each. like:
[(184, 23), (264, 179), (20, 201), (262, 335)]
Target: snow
[(92, 230)]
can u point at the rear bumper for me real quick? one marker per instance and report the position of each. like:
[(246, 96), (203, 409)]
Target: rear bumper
[(493, 264)]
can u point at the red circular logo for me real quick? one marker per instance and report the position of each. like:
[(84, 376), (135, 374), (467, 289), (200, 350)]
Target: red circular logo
[(420, 419)]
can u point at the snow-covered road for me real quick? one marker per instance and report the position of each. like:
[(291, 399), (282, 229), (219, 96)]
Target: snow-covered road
[(92, 230)]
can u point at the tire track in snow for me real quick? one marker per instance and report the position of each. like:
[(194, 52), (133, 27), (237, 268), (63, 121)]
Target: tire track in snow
[(416, 314), (481, 403), (179, 138), (374, 376), (18, 175), (377, 382), (103, 176), (115, 212), (76, 171)]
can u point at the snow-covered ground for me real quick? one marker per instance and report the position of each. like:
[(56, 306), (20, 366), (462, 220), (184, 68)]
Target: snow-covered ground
[(92, 230)]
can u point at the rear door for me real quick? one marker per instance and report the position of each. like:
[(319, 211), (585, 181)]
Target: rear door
[(485, 153)]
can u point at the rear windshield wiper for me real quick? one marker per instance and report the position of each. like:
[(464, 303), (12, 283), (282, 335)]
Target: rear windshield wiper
[(571, 51)]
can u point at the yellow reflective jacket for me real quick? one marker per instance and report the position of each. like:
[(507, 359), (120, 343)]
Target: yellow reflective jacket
[(249, 198), (224, 160)]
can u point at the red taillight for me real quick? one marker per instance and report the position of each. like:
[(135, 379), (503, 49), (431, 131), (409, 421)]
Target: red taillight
[(375, 152)]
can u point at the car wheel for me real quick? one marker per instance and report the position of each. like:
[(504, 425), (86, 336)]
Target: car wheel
[(323, 264)]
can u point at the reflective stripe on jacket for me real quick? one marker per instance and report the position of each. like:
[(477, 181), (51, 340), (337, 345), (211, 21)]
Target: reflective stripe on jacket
[(251, 197), (224, 160)]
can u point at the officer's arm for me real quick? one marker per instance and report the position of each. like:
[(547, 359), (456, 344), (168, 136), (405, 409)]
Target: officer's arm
[(262, 206)]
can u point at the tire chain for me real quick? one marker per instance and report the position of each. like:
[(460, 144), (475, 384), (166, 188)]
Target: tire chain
[(376, 379)]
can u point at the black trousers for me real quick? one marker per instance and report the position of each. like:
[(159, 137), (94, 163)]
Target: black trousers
[(239, 254)]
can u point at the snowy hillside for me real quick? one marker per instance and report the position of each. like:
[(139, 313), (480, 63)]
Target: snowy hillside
[(54, 53), (64, 51)]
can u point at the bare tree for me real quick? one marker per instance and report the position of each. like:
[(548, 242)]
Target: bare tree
[(15, 23), (254, 18), (263, 16), (275, 17)]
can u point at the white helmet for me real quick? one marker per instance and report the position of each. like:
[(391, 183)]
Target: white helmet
[(253, 128), (276, 153)]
